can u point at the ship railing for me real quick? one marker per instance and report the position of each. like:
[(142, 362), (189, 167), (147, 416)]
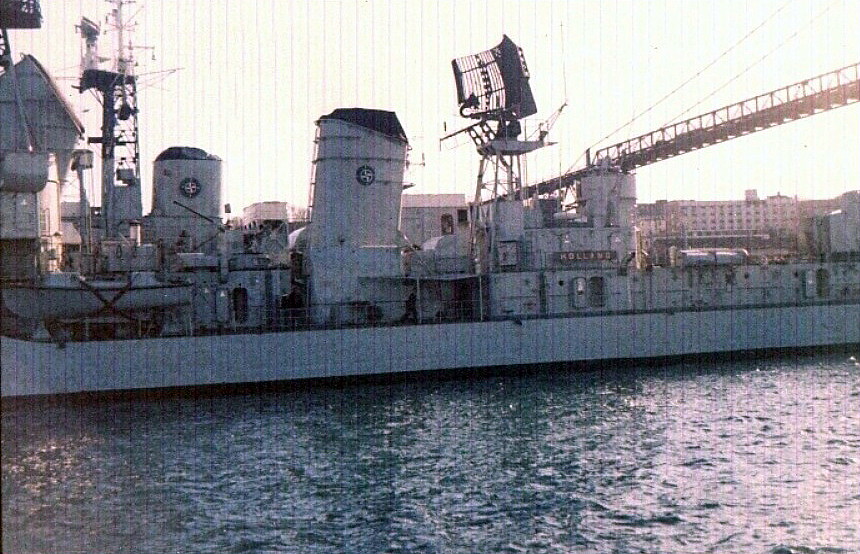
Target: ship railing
[(367, 314), (745, 288)]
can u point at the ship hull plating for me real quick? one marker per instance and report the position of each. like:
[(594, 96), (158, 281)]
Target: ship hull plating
[(43, 368)]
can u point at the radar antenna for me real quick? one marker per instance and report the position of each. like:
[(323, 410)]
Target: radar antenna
[(493, 88)]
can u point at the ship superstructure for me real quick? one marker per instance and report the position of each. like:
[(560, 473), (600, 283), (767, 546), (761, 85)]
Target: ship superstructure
[(546, 273)]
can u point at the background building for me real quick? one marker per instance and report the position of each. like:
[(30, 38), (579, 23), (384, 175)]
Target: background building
[(273, 214), (834, 234), (424, 216), (776, 226)]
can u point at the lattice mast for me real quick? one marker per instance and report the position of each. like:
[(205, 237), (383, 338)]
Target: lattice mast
[(18, 14), (493, 88), (120, 147)]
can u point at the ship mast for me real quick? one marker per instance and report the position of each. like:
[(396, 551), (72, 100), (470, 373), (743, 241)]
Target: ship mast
[(120, 149), (493, 89)]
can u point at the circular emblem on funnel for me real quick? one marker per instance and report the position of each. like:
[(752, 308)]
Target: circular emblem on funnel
[(190, 187), (365, 175)]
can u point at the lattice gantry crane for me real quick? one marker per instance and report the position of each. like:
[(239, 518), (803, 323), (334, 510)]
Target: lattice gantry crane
[(812, 96)]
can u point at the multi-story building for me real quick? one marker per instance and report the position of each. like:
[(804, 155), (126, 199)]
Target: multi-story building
[(772, 226), (775, 213)]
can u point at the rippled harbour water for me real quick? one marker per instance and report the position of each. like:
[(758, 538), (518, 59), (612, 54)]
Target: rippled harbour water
[(760, 456)]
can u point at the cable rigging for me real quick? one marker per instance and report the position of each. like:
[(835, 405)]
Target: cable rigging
[(755, 63), (695, 75)]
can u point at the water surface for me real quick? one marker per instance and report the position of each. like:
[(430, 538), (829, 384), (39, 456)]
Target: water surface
[(759, 456)]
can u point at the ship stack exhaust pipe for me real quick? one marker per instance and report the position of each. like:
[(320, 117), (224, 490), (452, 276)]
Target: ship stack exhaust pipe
[(354, 236)]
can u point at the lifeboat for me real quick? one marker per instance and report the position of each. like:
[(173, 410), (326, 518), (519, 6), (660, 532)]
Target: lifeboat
[(70, 295)]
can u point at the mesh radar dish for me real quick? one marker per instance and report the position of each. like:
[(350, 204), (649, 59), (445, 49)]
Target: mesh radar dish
[(494, 84)]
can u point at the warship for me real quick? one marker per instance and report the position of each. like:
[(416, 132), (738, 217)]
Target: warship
[(553, 273)]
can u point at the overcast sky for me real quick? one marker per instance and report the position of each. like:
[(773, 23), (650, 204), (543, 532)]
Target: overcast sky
[(256, 74)]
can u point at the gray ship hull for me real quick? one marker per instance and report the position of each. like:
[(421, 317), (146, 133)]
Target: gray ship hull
[(45, 368)]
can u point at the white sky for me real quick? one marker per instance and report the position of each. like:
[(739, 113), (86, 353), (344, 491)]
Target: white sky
[(258, 73)]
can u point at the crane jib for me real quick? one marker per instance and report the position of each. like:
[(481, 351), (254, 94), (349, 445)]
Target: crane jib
[(789, 103)]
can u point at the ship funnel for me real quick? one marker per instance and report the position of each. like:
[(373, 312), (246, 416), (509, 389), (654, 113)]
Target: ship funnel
[(185, 176), (186, 200), (358, 178)]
